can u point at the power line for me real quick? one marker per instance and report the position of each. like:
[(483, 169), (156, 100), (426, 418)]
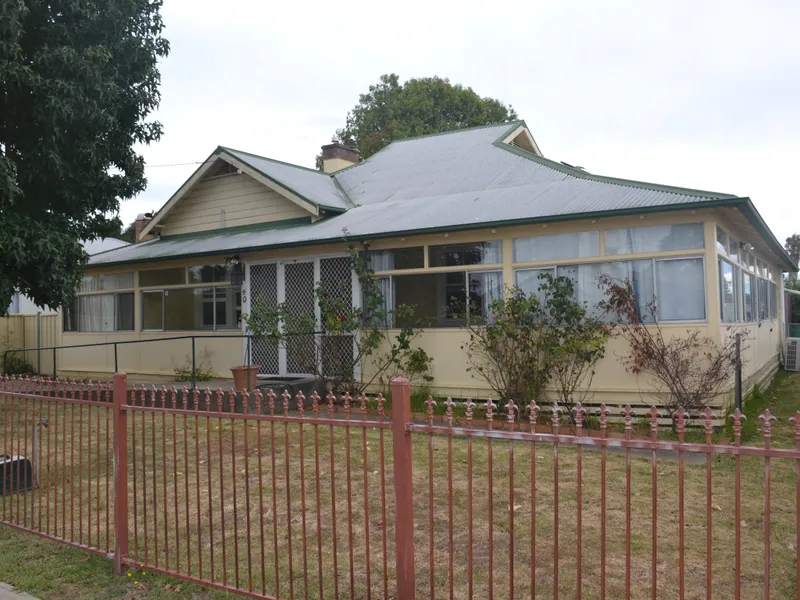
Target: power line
[(194, 162)]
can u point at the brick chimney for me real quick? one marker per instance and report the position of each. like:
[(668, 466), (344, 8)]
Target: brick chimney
[(141, 223), (335, 157)]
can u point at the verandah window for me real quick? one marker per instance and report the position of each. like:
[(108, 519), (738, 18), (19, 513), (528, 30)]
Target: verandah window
[(678, 285), (210, 307), (443, 299)]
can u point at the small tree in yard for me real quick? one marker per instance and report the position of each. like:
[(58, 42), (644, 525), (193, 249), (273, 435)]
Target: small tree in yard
[(533, 340), (346, 336), (692, 369)]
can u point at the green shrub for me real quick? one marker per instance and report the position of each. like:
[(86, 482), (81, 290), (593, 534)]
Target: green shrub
[(15, 364)]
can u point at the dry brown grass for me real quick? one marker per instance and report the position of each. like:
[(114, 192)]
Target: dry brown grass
[(163, 463)]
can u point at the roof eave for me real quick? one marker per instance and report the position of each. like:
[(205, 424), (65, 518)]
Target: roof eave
[(464, 227)]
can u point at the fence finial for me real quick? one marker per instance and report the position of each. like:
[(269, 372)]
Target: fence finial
[(449, 404), (331, 398), (362, 400), (258, 398), (555, 409), (245, 402), (381, 402), (490, 406), (470, 405), (767, 417), (430, 403), (315, 404), (173, 397), (286, 396), (580, 413), (708, 418), (271, 401), (346, 399), (533, 414), (655, 414), (511, 409), (627, 412), (796, 420), (208, 399), (680, 420), (300, 398)]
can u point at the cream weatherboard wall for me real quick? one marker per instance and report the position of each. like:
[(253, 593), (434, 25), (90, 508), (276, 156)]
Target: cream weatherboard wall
[(229, 200), (611, 383)]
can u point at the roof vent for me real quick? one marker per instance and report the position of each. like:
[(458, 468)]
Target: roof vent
[(224, 168)]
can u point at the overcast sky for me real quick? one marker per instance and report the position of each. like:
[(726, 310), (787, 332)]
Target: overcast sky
[(696, 94)]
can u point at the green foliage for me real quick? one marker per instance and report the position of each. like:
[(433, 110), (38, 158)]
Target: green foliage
[(128, 234), (15, 364), (792, 246), (538, 339), (77, 80), (202, 369), (392, 111), (367, 328)]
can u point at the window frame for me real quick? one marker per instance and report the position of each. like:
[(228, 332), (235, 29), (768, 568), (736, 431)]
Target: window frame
[(626, 258), (168, 289), (78, 299)]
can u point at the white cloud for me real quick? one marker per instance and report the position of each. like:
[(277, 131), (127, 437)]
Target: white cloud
[(695, 94)]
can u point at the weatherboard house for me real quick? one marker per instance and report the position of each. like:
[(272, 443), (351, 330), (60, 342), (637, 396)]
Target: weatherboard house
[(447, 217)]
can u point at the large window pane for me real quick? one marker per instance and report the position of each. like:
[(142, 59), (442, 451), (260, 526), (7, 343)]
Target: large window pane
[(176, 276), (210, 274), (96, 313), (117, 281), (438, 300), (152, 310), (69, 314), (657, 238), (125, 312), (773, 301), (680, 290), (585, 281), (456, 255), (528, 280), (727, 291), (400, 258), (722, 241), (228, 307), (763, 300), (189, 309), (749, 292), (484, 290), (553, 247)]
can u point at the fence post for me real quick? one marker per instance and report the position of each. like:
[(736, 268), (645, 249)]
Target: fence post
[(403, 492), (120, 472)]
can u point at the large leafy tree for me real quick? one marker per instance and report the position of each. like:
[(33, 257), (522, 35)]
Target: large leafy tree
[(793, 247), (78, 79), (391, 111)]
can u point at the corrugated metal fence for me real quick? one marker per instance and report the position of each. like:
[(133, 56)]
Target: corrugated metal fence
[(31, 331)]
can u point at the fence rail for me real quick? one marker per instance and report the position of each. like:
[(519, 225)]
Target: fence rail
[(272, 496)]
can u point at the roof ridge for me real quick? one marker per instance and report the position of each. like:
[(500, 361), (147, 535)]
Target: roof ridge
[(275, 160), (509, 124), (581, 174)]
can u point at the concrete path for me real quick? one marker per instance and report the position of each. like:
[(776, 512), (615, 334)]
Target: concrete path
[(7, 593)]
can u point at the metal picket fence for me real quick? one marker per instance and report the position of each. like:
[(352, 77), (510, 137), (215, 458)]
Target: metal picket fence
[(273, 496)]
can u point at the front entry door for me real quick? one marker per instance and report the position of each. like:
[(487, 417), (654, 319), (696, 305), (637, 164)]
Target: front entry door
[(294, 283)]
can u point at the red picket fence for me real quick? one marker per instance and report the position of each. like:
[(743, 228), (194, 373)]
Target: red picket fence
[(281, 497)]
